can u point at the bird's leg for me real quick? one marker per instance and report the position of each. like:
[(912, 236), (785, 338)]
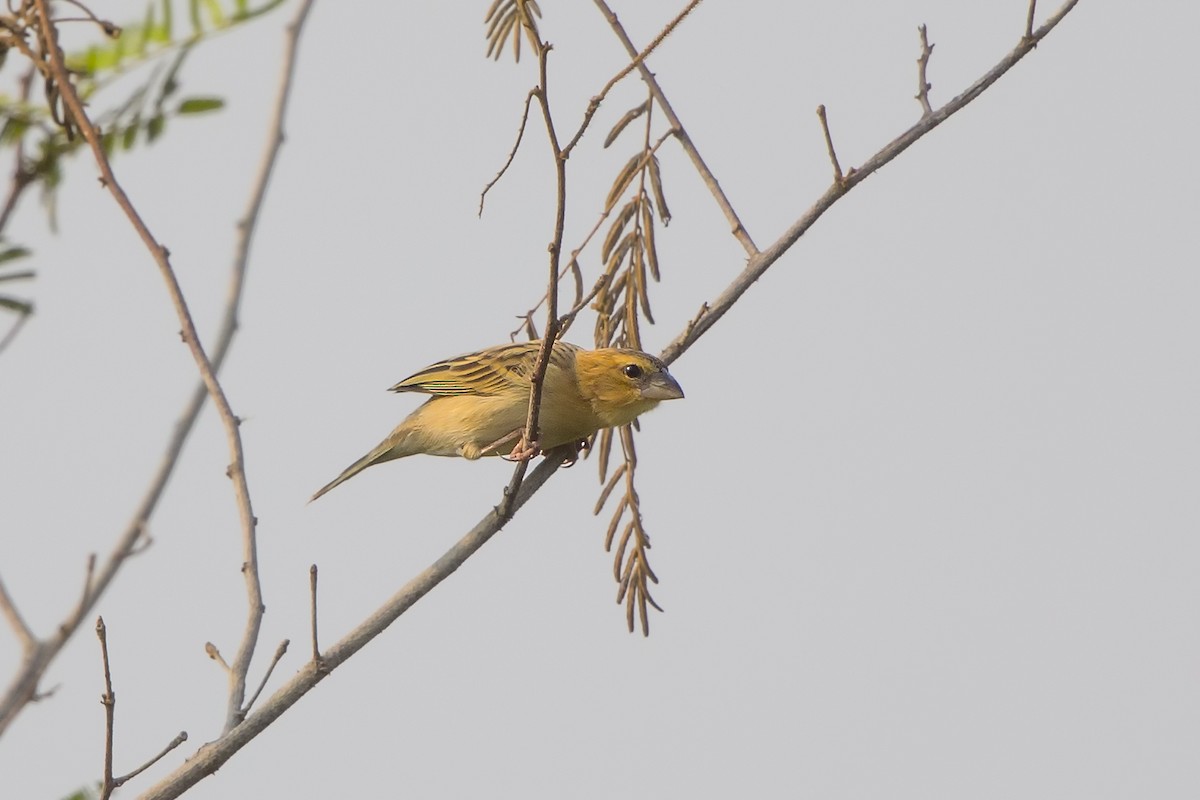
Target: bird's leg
[(503, 440)]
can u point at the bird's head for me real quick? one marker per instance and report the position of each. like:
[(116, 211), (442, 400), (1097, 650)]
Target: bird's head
[(621, 384)]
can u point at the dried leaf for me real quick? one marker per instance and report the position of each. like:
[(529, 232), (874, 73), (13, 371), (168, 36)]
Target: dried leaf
[(612, 483), (633, 333), (618, 255), (625, 580), (639, 264), (648, 234), (618, 225), (628, 117), (623, 179), (619, 555), (616, 520), (660, 199), (605, 448)]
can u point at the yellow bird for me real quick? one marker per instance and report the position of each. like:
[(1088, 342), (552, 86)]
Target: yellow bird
[(480, 401)]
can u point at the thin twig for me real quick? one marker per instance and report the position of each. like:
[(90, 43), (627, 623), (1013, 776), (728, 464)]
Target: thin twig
[(213, 652), (178, 740), (923, 85), (312, 612), (838, 177), (109, 701), (25, 634), (736, 227), (638, 60), (511, 153), (108, 783), (235, 711), (279, 653), (1029, 19)]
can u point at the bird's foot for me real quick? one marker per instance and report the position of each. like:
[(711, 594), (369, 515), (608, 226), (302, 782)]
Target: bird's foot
[(523, 450)]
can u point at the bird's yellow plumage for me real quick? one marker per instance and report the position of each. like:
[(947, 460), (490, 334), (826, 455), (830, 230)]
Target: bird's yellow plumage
[(480, 401)]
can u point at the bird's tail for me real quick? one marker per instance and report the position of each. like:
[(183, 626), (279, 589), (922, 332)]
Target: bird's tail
[(384, 451)]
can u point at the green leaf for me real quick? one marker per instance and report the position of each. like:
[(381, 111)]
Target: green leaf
[(12, 254), (13, 304), (129, 135), (216, 14), (200, 105), (14, 129), (154, 127)]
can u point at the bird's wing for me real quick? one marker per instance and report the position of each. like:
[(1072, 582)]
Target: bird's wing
[(489, 372)]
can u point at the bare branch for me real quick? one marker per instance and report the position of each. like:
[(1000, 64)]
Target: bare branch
[(312, 612), (179, 739), (275, 659), (23, 687), (75, 112), (758, 264), (240, 667), (529, 441), (1029, 19), (109, 701), (923, 85), (213, 755), (737, 228), (108, 783)]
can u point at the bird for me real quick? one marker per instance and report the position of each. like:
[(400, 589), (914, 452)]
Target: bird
[(480, 402)]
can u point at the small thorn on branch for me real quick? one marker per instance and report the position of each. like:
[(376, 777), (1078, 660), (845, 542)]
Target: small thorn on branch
[(923, 85)]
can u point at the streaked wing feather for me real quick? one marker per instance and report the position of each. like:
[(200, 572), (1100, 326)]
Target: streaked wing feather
[(487, 372)]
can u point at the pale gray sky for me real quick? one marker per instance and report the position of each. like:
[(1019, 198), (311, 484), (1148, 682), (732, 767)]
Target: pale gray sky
[(926, 523)]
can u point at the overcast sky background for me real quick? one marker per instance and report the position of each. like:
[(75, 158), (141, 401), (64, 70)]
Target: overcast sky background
[(925, 524)]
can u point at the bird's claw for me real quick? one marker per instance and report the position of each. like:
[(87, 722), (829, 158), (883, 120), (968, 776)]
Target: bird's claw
[(571, 459), (523, 450)]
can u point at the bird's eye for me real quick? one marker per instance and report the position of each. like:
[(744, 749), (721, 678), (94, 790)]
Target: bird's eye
[(632, 370)]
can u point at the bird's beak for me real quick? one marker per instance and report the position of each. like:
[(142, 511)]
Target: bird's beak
[(662, 386)]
